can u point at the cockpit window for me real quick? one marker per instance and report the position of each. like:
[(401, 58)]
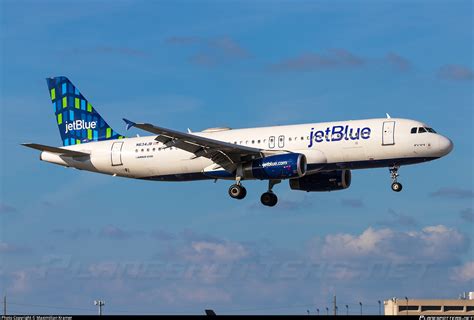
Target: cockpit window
[(422, 130)]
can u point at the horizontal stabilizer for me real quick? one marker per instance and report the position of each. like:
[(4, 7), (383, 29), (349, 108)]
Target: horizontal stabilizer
[(60, 151)]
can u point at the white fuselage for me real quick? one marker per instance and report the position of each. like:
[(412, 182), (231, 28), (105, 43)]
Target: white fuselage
[(353, 144)]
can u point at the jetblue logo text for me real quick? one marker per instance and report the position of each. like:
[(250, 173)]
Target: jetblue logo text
[(338, 133), (79, 125), (274, 164)]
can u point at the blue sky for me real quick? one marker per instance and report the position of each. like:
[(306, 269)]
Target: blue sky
[(69, 237)]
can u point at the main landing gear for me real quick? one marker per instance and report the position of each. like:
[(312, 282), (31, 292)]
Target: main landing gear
[(269, 198), (237, 191), (396, 186)]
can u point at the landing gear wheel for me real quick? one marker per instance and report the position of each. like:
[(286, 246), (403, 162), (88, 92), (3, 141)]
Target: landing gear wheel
[(269, 199), (244, 193), (237, 191), (397, 186)]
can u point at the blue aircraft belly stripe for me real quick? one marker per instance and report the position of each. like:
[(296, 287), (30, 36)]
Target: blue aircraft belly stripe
[(366, 164), (179, 177)]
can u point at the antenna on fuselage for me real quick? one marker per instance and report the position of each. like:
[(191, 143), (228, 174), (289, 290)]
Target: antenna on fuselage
[(388, 116)]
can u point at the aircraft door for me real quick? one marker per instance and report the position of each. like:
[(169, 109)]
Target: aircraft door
[(116, 154), (271, 142), (388, 133), (281, 141)]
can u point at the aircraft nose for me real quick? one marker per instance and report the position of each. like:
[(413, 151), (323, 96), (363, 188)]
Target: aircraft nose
[(445, 145)]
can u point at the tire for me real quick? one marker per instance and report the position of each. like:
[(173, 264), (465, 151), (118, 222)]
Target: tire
[(237, 192), (269, 199), (243, 194), (397, 187)]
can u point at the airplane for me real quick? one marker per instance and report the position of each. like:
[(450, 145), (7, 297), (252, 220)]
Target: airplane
[(312, 157)]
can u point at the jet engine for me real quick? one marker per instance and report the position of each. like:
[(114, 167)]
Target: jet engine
[(323, 181), (276, 167)]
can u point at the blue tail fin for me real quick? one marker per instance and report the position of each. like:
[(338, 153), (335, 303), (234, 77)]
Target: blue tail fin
[(77, 120)]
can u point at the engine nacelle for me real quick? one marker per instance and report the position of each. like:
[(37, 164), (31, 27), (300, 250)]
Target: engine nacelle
[(323, 181), (280, 166)]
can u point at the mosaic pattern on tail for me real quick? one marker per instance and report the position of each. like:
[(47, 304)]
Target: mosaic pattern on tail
[(77, 120)]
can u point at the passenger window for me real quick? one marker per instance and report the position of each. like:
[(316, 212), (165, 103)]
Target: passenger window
[(302, 138), (258, 141), (289, 138), (421, 130)]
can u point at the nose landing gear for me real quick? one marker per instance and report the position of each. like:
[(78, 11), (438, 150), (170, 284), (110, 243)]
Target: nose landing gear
[(396, 186)]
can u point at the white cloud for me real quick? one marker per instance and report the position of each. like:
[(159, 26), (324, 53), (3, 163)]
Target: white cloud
[(432, 243), (215, 251), (442, 242), (208, 271), (464, 273), (347, 245)]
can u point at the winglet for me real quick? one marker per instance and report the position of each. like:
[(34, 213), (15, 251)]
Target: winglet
[(129, 124)]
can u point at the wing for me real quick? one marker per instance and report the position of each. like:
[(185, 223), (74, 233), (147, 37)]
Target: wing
[(225, 154), (60, 151)]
